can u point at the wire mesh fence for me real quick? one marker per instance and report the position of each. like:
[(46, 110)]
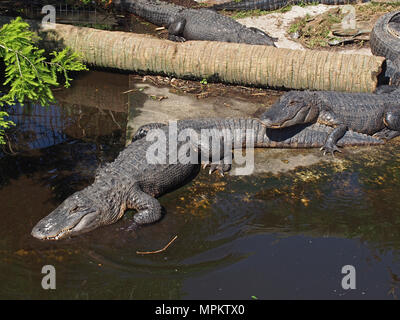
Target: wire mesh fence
[(72, 12)]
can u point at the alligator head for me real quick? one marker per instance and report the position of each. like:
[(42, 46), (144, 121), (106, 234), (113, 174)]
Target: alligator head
[(294, 107), (76, 215), (145, 129)]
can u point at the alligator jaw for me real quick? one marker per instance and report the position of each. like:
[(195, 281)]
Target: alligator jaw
[(61, 224), (274, 125), (38, 232), (58, 236)]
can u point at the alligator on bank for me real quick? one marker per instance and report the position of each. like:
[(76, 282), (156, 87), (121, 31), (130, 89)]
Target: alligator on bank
[(132, 182), (194, 24), (273, 4), (377, 114)]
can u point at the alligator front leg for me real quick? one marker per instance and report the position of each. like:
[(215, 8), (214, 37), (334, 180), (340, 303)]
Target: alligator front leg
[(329, 118), (218, 166), (214, 153), (148, 208), (333, 137), (175, 30)]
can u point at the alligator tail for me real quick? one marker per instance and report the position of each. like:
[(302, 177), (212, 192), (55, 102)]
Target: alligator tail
[(244, 131), (157, 12), (251, 5), (312, 136), (269, 5)]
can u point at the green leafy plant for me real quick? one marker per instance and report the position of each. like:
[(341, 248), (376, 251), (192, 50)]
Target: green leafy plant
[(29, 74), (4, 125)]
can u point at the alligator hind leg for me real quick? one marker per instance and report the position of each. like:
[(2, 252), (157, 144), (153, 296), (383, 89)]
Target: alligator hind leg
[(148, 208), (392, 122), (175, 38), (175, 30), (392, 118)]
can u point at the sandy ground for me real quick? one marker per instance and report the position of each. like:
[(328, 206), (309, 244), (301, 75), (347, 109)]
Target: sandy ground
[(276, 25)]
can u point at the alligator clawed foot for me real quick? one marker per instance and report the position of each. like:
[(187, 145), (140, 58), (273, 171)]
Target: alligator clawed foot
[(386, 134), (380, 135), (330, 149), (218, 167), (175, 38)]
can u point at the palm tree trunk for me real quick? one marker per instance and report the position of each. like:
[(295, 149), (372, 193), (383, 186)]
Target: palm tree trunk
[(227, 62)]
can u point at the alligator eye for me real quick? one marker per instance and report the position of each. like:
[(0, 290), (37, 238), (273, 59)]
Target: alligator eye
[(74, 210)]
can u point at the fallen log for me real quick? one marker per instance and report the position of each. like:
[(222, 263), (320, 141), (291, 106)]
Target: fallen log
[(227, 62)]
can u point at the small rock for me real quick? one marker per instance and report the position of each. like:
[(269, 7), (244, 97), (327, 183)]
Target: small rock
[(334, 42), (295, 35)]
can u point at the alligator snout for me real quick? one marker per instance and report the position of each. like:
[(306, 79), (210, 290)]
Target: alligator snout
[(38, 232), (270, 124), (268, 120)]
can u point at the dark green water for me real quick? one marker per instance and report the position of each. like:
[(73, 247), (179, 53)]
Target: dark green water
[(281, 236)]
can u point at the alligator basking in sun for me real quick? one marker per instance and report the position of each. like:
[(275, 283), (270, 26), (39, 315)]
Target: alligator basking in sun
[(376, 114), (131, 182), (194, 24)]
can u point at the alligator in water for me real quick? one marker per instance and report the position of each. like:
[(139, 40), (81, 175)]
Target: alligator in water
[(377, 114), (273, 4), (385, 41), (132, 182), (194, 24)]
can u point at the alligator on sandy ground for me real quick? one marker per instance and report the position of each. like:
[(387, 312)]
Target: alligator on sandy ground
[(377, 114), (132, 182), (274, 4), (194, 24)]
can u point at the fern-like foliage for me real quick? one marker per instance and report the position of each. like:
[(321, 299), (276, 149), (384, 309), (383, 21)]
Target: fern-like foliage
[(29, 74)]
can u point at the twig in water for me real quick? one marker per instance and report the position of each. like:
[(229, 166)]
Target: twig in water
[(158, 251)]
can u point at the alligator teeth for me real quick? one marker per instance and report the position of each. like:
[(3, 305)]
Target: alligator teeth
[(57, 236)]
